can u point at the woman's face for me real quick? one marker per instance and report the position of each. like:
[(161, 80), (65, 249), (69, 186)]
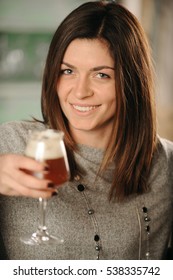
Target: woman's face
[(86, 88)]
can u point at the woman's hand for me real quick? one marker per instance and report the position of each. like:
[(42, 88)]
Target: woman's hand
[(16, 177)]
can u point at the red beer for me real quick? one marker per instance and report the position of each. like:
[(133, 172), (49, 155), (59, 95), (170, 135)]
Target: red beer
[(48, 146), (57, 171)]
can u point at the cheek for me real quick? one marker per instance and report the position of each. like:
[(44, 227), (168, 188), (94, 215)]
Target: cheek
[(112, 108), (110, 102), (112, 96), (62, 90), (62, 96), (109, 97)]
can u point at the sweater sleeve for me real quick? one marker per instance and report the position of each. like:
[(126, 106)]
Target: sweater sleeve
[(14, 135)]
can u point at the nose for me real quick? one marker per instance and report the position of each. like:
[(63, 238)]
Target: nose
[(82, 88)]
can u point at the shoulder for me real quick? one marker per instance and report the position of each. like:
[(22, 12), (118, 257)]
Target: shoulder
[(162, 163), (20, 127), (15, 134), (165, 149)]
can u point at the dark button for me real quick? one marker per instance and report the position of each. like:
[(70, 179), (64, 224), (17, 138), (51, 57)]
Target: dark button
[(147, 219), (90, 211), (96, 237), (145, 210), (80, 188), (97, 248), (147, 228)]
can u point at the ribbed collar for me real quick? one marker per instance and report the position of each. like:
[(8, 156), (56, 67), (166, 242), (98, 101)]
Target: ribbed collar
[(90, 154)]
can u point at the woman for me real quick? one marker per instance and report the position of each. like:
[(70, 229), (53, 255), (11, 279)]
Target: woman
[(98, 89)]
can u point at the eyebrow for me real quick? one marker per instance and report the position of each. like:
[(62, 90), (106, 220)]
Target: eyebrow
[(98, 68)]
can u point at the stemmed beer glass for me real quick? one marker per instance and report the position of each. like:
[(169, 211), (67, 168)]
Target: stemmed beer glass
[(47, 146)]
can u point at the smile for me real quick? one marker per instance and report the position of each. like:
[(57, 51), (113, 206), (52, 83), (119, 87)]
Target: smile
[(84, 108)]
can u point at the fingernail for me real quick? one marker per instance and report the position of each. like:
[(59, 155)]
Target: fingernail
[(54, 193), (50, 185), (46, 168)]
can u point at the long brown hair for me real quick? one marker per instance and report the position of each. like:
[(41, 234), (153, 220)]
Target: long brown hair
[(134, 135)]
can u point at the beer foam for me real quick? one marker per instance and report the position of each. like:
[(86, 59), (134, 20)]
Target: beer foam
[(45, 145)]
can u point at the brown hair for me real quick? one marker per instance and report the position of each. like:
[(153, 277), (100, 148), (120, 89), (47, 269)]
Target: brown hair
[(133, 139)]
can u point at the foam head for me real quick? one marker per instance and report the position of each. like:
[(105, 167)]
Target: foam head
[(45, 145)]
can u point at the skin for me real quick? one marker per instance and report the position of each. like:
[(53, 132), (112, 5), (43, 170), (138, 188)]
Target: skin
[(14, 181), (86, 90)]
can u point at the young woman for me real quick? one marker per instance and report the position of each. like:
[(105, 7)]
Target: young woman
[(98, 89)]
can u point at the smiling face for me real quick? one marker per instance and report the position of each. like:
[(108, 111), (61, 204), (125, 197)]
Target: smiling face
[(86, 90)]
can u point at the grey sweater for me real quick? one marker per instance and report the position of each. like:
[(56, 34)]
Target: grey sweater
[(126, 230)]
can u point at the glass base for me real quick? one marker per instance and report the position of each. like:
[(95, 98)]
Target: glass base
[(41, 237)]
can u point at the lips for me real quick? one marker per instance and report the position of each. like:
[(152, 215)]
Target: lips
[(83, 108)]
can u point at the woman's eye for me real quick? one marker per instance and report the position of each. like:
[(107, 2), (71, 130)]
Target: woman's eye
[(66, 71), (102, 76)]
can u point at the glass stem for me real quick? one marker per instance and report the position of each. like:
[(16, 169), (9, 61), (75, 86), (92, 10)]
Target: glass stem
[(42, 212)]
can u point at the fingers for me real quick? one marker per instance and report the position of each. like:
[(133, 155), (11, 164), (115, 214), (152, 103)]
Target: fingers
[(12, 161), (33, 188), (16, 178), (28, 163), (25, 185), (32, 181)]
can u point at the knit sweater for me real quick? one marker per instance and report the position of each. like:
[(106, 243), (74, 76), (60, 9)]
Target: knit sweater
[(126, 230)]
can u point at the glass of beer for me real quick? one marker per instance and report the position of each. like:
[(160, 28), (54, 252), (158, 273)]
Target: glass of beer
[(47, 146)]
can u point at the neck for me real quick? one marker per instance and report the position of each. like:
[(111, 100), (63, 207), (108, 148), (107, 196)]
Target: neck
[(94, 139)]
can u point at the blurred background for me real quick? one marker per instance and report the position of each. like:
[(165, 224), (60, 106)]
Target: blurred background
[(26, 28)]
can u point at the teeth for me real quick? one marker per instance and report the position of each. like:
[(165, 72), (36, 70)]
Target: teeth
[(84, 109)]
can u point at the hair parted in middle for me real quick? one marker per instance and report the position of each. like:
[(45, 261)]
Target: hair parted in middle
[(134, 134)]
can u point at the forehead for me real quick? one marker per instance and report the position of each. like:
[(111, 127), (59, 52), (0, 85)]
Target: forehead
[(88, 50)]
